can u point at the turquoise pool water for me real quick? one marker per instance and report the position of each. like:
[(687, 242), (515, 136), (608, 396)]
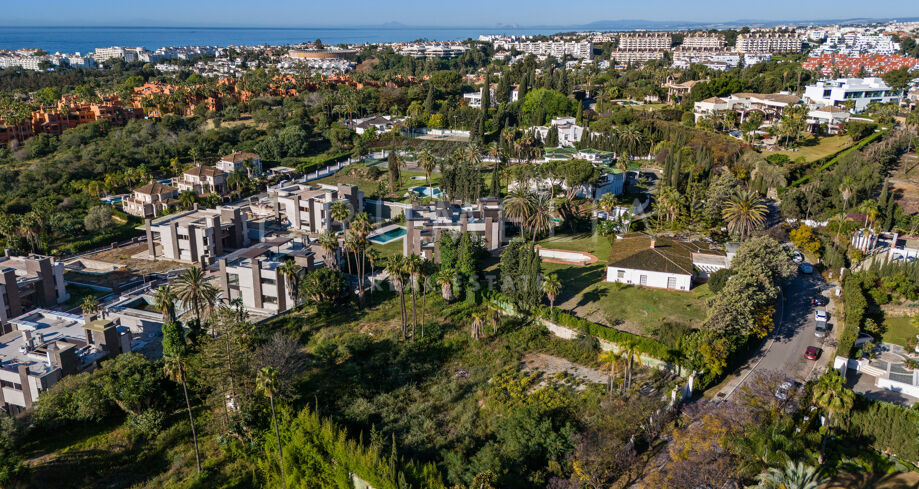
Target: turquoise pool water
[(389, 236), (426, 191)]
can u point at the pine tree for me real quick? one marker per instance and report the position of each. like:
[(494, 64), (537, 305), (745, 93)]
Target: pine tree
[(552, 137)]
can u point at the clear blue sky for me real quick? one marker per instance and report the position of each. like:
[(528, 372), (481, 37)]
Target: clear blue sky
[(313, 13)]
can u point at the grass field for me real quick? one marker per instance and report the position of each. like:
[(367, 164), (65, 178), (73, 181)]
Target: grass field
[(898, 329), (585, 242), (824, 147), (389, 249)]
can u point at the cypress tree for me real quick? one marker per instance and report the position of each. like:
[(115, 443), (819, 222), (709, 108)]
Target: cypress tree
[(503, 92), (675, 172), (486, 94), (429, 102)]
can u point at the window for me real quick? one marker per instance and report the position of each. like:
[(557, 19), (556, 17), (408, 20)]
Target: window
[(233, 279), (267, 299), (643, 280), (620, 274), (671, 282), (269, 281)]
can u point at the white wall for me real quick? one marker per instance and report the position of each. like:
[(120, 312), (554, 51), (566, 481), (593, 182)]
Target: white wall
[(653, 279)]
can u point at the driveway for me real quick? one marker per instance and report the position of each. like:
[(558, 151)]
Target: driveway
[(784, 349)]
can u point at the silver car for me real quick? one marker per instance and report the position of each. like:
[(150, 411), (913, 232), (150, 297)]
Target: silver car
[(820, 332)]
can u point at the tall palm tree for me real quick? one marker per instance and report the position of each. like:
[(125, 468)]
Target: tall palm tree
[(373, 256), (424, 274), (669, 201), (412, 269), (445, 280), (607, 203), (187, 199), (328, 241), (870, 209), (267, 383), (478, 320), (175, 350), (792, 476), (428, 164), (831, 395), (518, 206), (339, 211), (164, 300), (193, 288), (631, 355), (291, 272), (551, 286), (395, 267), (540, 221), (612, 359), (744, 213)]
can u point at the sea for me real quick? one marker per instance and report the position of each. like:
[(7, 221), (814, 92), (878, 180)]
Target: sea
[(87, 39)]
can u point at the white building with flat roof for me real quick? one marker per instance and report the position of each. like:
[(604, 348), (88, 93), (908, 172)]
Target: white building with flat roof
[(858, 91)]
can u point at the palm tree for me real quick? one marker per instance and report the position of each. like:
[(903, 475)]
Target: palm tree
[(187, 199), (291, 272), (870, 209), (373, 256), (612, 359), (339, 211), (175, 349), (428, 163), (90, 305), (840, 220), (445, 280), (744, 213), (329, 243), (792, 476), (267, 383), (518, 206), (630, 353), (477, 322), (424, 273), (193, 288), (413, 268), (607, 203), (669, 199), (831, 395), (164, 301), (395, 267), (551, 287), (540, 220)]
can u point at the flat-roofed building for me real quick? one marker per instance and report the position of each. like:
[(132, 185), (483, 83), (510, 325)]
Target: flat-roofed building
[(197, 236), (857, 92), (424, 225), (308, 209), (768, 43), (151, 200), (645, 41), (48, 345), (27, 282), (627, 56), (703, 40), (770, 105), (203, 180), (254, 274)]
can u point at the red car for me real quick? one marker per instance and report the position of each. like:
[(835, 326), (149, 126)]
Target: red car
[(812, 353)]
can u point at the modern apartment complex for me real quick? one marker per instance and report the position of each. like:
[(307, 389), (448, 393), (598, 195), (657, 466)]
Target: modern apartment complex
[(48, 345), (769, 105), (197, 236), (308, 209), (424, 225), (857, 92), (645, 41), (27, 282), (151, 200), (253, 274), (703, 40), (203, 180), (569, 132), (556, 49), (768, 43)]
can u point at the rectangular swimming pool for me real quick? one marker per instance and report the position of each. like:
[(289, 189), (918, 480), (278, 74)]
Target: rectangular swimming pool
[(391, 235)]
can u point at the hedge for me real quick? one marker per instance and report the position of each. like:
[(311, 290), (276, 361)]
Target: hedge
[(644, 345), (833, 159), (854, 307), (890, 428)]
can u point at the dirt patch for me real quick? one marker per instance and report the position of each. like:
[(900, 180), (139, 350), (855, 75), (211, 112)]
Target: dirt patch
[(905, 183), (552, 366), (125, 257), (367, 65)]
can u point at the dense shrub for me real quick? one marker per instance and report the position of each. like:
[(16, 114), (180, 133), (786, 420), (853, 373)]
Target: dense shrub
[(888, 427)]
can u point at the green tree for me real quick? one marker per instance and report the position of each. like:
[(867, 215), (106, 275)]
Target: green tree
[(98, 219), (552, 287), (612, 359), (175, 351), (791, 476), (744, 213), (192, 287), (267, 383), (164, 301)]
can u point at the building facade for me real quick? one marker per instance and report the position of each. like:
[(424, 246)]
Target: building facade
[(151, 200), (854, 92), (768, 43), (253, 275), (197, 236), (424, 225), (241, 161), (308, 209), (203, 180), (27, 282)]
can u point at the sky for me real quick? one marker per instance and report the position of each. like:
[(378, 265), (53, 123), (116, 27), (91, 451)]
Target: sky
[(467, 13)]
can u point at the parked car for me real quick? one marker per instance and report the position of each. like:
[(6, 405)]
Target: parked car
[(782, 392), (811, 353), (820, 315), (821, 330), (806, 268), (820, 301)]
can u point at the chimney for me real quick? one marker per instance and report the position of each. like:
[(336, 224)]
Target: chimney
[(652, 243)]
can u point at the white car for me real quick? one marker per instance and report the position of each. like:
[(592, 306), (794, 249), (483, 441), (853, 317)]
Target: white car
[(820, 315), (798, 258), (820, 332), (782, 392)]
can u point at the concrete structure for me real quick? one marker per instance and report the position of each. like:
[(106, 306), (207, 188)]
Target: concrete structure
[(676, 91), (432, 50), (661, 262), (556, 49), (626, 56), (719, 59), (151, 200), (424, 225), (380, 124), (253, 274), (241, 161), (474, 99), (645, 41), (307, 208), (859, 92), (830, 117), (768, 43), (27, 282), (197, 236), (48, 345), (203, 180), (703, 40)]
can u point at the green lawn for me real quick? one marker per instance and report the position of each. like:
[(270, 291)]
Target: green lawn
[(78, 293), (898, 329), (585, 242), (824, 147), (389, 249), (371, 186)]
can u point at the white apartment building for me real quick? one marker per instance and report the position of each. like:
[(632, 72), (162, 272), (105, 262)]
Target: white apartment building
[(770, 105), (569, 133), (307, 208), (197, 236), (645, 41), (635, 56), (703, 40), (474, 99), (432, 50), (768, 42), (251, 163), (253, 275), (556, 49), (130, 55), (718, 59), (853, 44), (858, 91)]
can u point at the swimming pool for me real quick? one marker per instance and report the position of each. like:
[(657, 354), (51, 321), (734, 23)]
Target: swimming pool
[(387, 236), (426, 191)]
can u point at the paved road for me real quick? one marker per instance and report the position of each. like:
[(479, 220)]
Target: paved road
[(784, 349)]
